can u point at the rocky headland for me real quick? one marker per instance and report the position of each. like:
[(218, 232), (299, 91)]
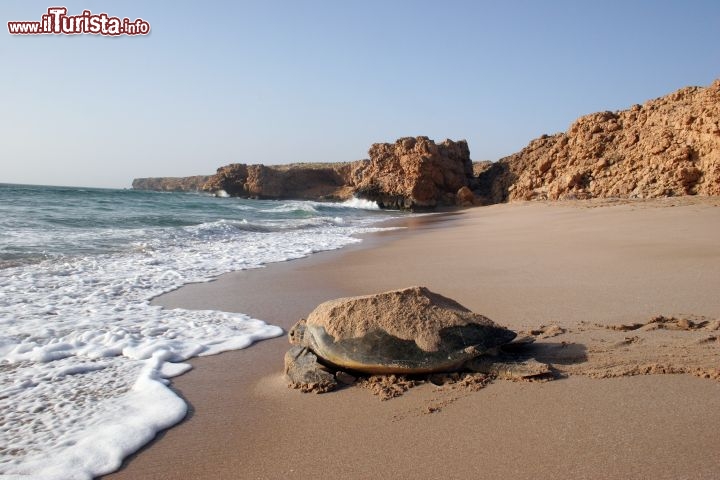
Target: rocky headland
[(669, 146), (301, 181), (408, 174), (412, 173), (171, 184)]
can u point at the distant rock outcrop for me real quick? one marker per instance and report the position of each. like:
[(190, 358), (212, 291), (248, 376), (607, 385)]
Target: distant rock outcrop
[(171, 184), (295, 181), (668, 146), (415, 173)]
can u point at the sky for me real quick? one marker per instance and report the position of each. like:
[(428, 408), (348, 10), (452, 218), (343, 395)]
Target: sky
[(276, 82)]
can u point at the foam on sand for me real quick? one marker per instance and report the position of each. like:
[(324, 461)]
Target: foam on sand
[(127, 422)]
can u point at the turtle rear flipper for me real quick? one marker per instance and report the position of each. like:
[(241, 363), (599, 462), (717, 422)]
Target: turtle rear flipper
[(305, 373), (510, 369)]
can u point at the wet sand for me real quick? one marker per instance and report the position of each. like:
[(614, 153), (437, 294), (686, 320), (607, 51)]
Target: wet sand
[(599, 272)]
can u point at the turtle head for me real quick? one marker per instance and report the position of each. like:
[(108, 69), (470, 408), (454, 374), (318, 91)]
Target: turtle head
[(296, 335)]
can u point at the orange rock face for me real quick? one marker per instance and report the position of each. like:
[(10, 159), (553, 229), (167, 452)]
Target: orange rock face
[(668, 146), (415, 173)]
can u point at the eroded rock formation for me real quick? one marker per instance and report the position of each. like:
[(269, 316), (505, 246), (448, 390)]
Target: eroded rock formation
[(408, 174), (415, 173), (668, 146)]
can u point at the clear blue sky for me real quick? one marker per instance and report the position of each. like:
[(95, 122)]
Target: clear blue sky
[(304, 81)]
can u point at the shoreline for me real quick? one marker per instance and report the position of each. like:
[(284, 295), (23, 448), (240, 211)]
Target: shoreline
[(244, 422)]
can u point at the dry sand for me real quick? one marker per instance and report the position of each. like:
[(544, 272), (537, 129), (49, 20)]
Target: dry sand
[(609, 290)]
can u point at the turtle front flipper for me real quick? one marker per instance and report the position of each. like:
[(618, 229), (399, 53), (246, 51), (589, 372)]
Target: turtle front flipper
[(296, 335), (305, 373)]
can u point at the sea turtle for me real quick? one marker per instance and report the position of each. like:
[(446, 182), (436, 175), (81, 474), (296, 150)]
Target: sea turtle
[(407, 331)]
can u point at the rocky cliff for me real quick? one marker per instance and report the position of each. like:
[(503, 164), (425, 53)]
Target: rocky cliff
[(667, 146), (408, 174), (415, 173), (171, 184)]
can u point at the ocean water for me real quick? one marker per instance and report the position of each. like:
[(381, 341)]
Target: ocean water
[(84, 358)]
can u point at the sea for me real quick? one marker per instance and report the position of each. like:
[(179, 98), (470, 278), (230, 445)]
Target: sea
[(85, 359)]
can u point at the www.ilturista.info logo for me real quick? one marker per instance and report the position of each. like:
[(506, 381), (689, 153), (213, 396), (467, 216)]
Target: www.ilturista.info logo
[(57, 21)]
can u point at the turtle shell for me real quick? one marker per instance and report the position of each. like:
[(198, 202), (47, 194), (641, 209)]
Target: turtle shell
[(412, 330)]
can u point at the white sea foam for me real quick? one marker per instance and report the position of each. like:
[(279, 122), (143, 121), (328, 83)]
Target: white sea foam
[(84, 357), (293, 206), (360, 203)]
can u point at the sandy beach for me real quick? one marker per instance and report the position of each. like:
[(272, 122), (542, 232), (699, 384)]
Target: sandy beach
[(611, 290)]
